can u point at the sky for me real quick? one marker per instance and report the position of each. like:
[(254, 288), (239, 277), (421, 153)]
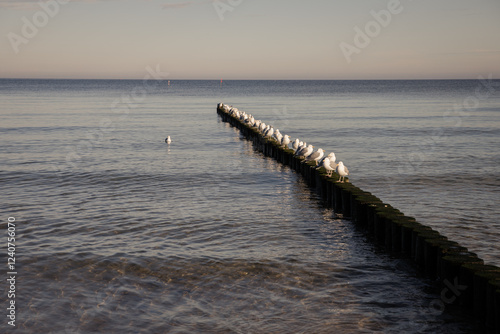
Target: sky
[(250, 39)]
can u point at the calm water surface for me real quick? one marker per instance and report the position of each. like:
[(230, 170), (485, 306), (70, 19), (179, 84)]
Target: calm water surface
[(118, 232)]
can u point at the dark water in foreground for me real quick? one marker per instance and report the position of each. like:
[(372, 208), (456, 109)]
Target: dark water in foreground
[(119, 233)]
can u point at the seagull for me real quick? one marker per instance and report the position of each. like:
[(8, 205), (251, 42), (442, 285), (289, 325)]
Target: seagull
[(262, 127), (295, 144), (278, 136), (285, 141), (269, 133), (168, 140), (301, 147), (315, 156), (309, 150), (342, 171), (332, 159), (333, 165), (250, 120), (330, 156), (327, 167), (306, 151)]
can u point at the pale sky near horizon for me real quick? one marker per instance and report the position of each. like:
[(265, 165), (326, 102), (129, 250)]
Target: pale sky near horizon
[(250, 39)]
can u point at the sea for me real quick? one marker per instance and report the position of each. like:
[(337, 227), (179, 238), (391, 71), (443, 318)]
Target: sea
[(116, 231)]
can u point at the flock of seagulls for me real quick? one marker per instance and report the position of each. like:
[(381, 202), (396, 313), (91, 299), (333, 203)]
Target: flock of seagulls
[(301, 148)]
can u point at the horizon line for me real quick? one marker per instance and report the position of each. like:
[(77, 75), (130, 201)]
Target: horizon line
[(222, 79)]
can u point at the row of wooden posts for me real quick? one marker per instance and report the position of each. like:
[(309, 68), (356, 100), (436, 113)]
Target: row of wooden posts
[(464, 278)]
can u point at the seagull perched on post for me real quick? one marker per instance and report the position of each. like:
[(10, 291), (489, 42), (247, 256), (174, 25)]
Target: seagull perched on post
[(278, 135), (332, 158), (285, 141), (342, 171), (302, 146), (305, 152), (315, 156), (269, 133), (327, 167), (299, 147)]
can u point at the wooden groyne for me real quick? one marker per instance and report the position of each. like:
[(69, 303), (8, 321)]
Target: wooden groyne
[(464, 278)]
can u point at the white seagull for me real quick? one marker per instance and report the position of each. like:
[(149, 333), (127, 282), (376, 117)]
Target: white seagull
[(315, 156), (278, 135), (330, 156), (327, 167), (266, 129), (285, 141), (302, 146), (168, 140), (269, 133), (306, 151), (342, 171)]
